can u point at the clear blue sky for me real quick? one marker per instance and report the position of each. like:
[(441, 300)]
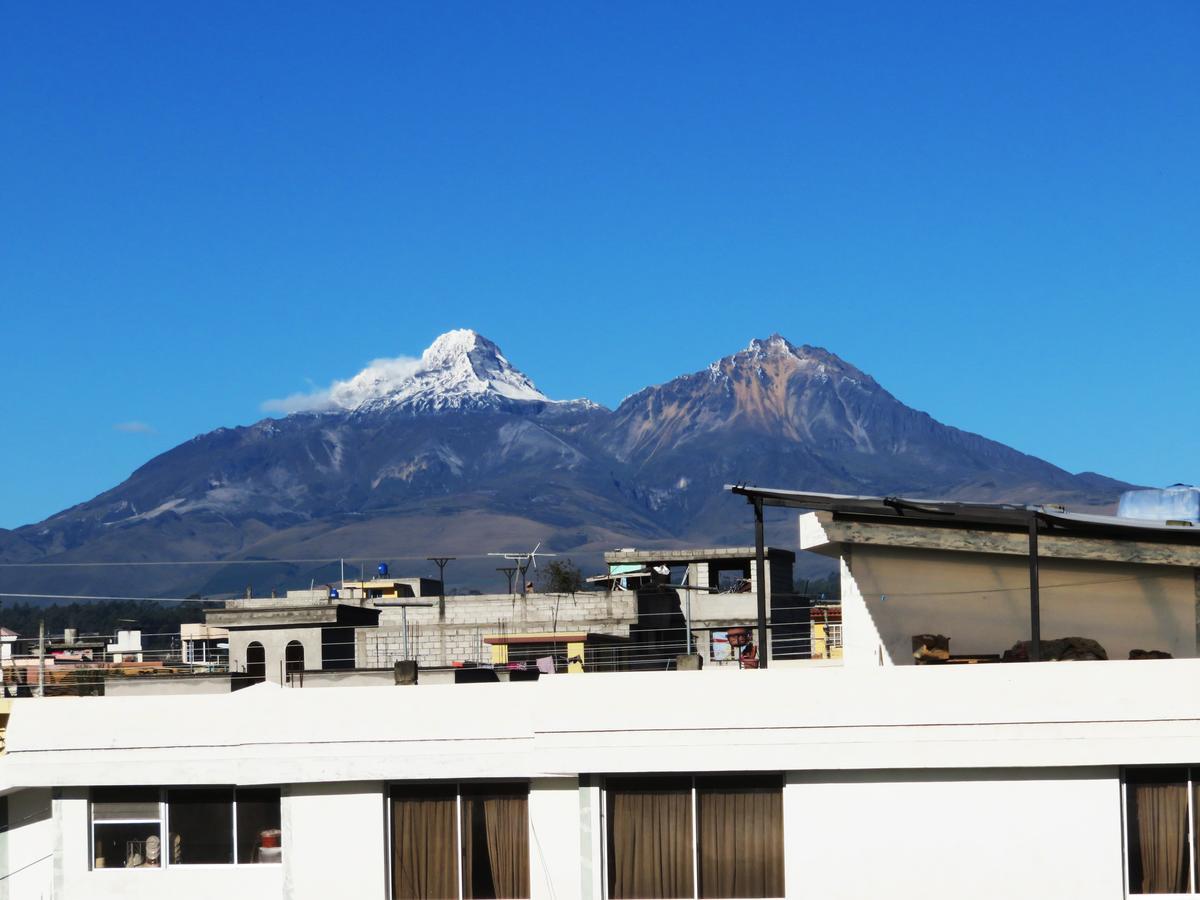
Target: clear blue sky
[(995, 212)]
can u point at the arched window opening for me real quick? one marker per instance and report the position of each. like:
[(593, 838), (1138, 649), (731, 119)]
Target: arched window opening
[(256, 662), (293, 659)]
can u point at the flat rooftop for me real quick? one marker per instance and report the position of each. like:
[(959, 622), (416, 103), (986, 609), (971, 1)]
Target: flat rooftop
[(692, 555)]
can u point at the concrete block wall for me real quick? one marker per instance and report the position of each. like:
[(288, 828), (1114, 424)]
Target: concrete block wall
[(458, 635)]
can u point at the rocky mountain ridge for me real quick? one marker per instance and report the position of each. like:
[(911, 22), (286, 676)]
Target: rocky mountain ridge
[(460, 453)]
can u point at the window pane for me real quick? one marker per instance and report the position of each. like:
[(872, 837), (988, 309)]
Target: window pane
[(495, 841), (424, 843), (126, 845), (200, 826), (132, 803), (1157, 826), (649, 837), (740, 831), (258, 839)]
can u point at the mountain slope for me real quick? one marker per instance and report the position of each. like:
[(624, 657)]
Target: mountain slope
[(784, 415), (460, 453)]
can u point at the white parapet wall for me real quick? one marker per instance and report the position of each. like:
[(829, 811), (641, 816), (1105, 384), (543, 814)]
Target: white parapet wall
[(335, 840), (983, 833), (977, 781)]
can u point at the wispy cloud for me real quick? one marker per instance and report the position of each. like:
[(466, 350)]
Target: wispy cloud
[(135, 428), (375, 380)]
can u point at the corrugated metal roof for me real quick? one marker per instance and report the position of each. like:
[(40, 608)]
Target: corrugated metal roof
[(967, 513)]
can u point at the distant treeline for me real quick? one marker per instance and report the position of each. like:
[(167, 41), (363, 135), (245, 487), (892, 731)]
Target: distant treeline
[(830, 585), (101, 617)]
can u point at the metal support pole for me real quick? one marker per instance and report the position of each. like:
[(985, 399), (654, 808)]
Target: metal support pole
[(441, 564), (689, 621), (508, 571), (687, 608), (760, 568), (41, 658), (404, 624), (1035, 604)]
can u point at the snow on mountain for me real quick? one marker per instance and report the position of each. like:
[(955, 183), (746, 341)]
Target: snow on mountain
[(382, 459), (460, 370)]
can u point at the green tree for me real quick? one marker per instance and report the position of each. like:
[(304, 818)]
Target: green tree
[(561, 576)]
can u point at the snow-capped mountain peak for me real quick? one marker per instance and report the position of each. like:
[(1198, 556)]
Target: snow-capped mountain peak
[(463, 362), (460, 370)]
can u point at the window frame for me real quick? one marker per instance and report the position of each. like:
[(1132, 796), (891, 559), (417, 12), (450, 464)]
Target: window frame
[(458, 785), (163, 823), (1191, 784), (92, 823), (693, 778)]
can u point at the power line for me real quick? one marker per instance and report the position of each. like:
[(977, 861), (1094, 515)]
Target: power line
[(96, 597), (216, 562)]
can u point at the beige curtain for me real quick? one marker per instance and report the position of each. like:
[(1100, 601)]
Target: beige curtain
[(650, 840), (496, 843), (1161, 811), (507, 822), (740, 832), (423, 846)]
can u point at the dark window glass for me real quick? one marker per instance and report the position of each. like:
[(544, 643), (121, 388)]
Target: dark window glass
[(256, 662), (293, 660), (126, 829), (258, 834), (128, 845), (200, 826)]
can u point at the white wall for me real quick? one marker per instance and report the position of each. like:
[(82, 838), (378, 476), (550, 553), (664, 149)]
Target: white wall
[(862, 644), (554, 850), (1036, 832), (335, 841), (981, 601), (29, 846), (275, 641), (966, 833), (80, 882)]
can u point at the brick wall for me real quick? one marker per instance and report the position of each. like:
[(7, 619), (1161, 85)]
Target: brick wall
[(436, 639)]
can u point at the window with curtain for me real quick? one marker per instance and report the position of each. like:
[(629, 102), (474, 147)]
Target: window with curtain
[(649, 838), (495, 841), (1160, 827), (446, 837), (705, 836), (740, 836)]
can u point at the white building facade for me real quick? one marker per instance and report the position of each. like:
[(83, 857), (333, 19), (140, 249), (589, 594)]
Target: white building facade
[(982, 781)]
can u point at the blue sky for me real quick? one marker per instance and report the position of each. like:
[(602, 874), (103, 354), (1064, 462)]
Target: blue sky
[(995, 212)]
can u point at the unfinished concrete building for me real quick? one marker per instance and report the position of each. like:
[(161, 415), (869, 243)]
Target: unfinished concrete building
[(704, 592)]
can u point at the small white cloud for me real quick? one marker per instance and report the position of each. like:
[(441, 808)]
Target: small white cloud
[(135, 428), (373, 381)]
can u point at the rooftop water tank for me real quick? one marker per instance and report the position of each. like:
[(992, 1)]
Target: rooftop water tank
[(383, 570), (1179, 502)]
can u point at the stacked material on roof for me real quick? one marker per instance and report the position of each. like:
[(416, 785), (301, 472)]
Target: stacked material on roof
[(1179, 502)]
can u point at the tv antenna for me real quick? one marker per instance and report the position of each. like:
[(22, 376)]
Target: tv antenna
[(508, 571), (524, 561)]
